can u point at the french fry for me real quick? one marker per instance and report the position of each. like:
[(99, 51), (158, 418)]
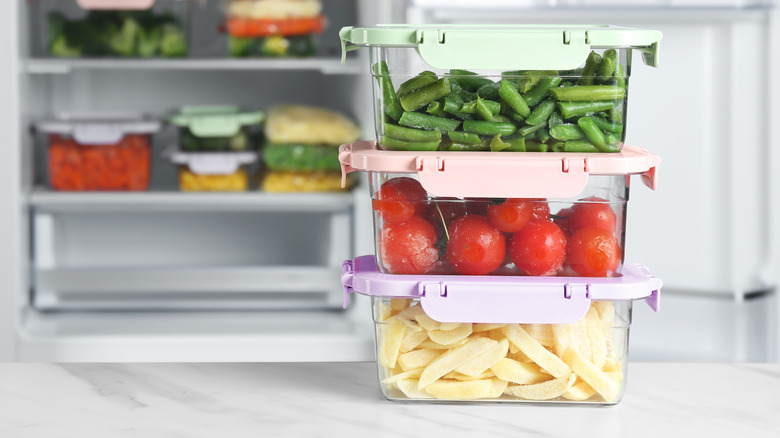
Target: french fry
[(447, 326), (453, 359), (612, 366), (542, 391), (458, 376), (417, 359), (479, 328), (410, 389), (579, 392), (499, 386), (408, 323), (606, 311), (541, 332), (427, 322), (597, 379), (517, 372), (412, 340), (518, 356), (450, 337), (411, 374), (484, 361), (399, 304), (411, 313), (391, 336), (598, 346), (460, 389), (535, 351), (383, 311), (617, 376), (431, 345)]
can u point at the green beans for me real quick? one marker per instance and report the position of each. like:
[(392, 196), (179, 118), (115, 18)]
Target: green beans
[(566, 131), (392, 106), (525, 130), (393, 144), (593, 133), (579, 146), (464, 137), (543, 135), (606, 125), (515, 144), (574, 109), (489, 91), (541, 90), (468, 79), (589, 71), (535, 146), (425, 95), (464, 147), (411, 134), (435, 108), (497, 145), (471, 107), (488, 128), (428, 122), (541, 112), (509, 94), (584, 93), (417, 82), (554, 120)]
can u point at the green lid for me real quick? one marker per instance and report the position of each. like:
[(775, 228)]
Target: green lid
[(215, 121), (539, 47)]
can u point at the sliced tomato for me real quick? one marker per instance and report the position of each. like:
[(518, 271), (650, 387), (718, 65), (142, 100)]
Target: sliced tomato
[(249, 28)]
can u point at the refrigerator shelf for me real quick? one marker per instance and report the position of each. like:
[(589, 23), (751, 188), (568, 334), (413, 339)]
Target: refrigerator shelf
[(326, 65), (49, 201)]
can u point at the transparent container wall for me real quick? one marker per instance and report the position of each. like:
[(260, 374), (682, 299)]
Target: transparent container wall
[(279, 181), (421, 359), (416, 233), (189, 181), (117, 167), (243, 140), (62, 29), (538, 113)]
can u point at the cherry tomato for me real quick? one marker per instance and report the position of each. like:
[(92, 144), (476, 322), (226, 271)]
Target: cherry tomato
[(562, 219), (476, 247), (399, 199), (539, 248), (541, 210), (595, 212), (252, 28), (408, 247), (511, 215), (593, 252)]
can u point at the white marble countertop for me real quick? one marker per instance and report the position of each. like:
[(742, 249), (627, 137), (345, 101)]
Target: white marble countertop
[(298, 400)]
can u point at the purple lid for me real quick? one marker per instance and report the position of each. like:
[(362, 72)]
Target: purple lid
[(501, 299)]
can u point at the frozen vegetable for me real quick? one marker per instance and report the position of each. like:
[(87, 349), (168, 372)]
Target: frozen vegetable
[(513, 236), (121, 166), (421, 358), (193, 182), (309, 125), (117, 33), (301, 157), (278, 181), (273, 28), (532, 111)]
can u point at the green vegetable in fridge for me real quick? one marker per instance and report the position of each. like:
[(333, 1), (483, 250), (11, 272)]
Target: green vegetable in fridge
[(174, 42), (593, 133), (535, 146), (428, 122), (393, 144), (425, 95), (541, 90), (496, 145), (611, 139), (435, 108), (530, 129), (575, 109), (411, 134), (468, 80), (489, 91), (484, 112), (149, 41), (392, 107), (579, 146), (558, 146), (554, 120), (471, 107), (585, 93), (606, 125), (464, 137), (465, 147), (123, 43), (488, 128), (453, 105), (417, 82), (530, 79), (541, 112), (513, 99), (543, 135), (589, 71), (607, 67), (301, 157), (240, 47)]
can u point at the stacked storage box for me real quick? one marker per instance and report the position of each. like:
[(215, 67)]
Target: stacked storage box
[(499, 184)]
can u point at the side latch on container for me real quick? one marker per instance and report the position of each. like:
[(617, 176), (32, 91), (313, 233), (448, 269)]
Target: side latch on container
[(455, 301), (347, 277)]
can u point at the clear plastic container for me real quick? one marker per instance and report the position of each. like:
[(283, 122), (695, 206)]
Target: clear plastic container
[(213, 171), (290, 181), (273, 28), (461, 88), (216, 128), (108, 28), (504, 339), (91, 152), (470, 213)]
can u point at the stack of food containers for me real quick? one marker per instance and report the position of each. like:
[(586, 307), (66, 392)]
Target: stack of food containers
[(273, 28), (90, 152), (499, 185), (215, 147)]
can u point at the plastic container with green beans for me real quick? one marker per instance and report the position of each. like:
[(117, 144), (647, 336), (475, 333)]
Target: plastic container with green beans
[(459, 88)]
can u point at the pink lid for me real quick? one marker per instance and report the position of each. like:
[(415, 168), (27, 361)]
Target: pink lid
[(115, 4), (501, 299), (500, 174)]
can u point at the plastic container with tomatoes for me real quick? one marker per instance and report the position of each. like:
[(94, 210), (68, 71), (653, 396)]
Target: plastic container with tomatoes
[(471, 214), (91, 152), (273, 28)]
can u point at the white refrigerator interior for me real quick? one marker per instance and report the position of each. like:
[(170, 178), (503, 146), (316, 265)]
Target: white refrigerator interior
[(710, 232)]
